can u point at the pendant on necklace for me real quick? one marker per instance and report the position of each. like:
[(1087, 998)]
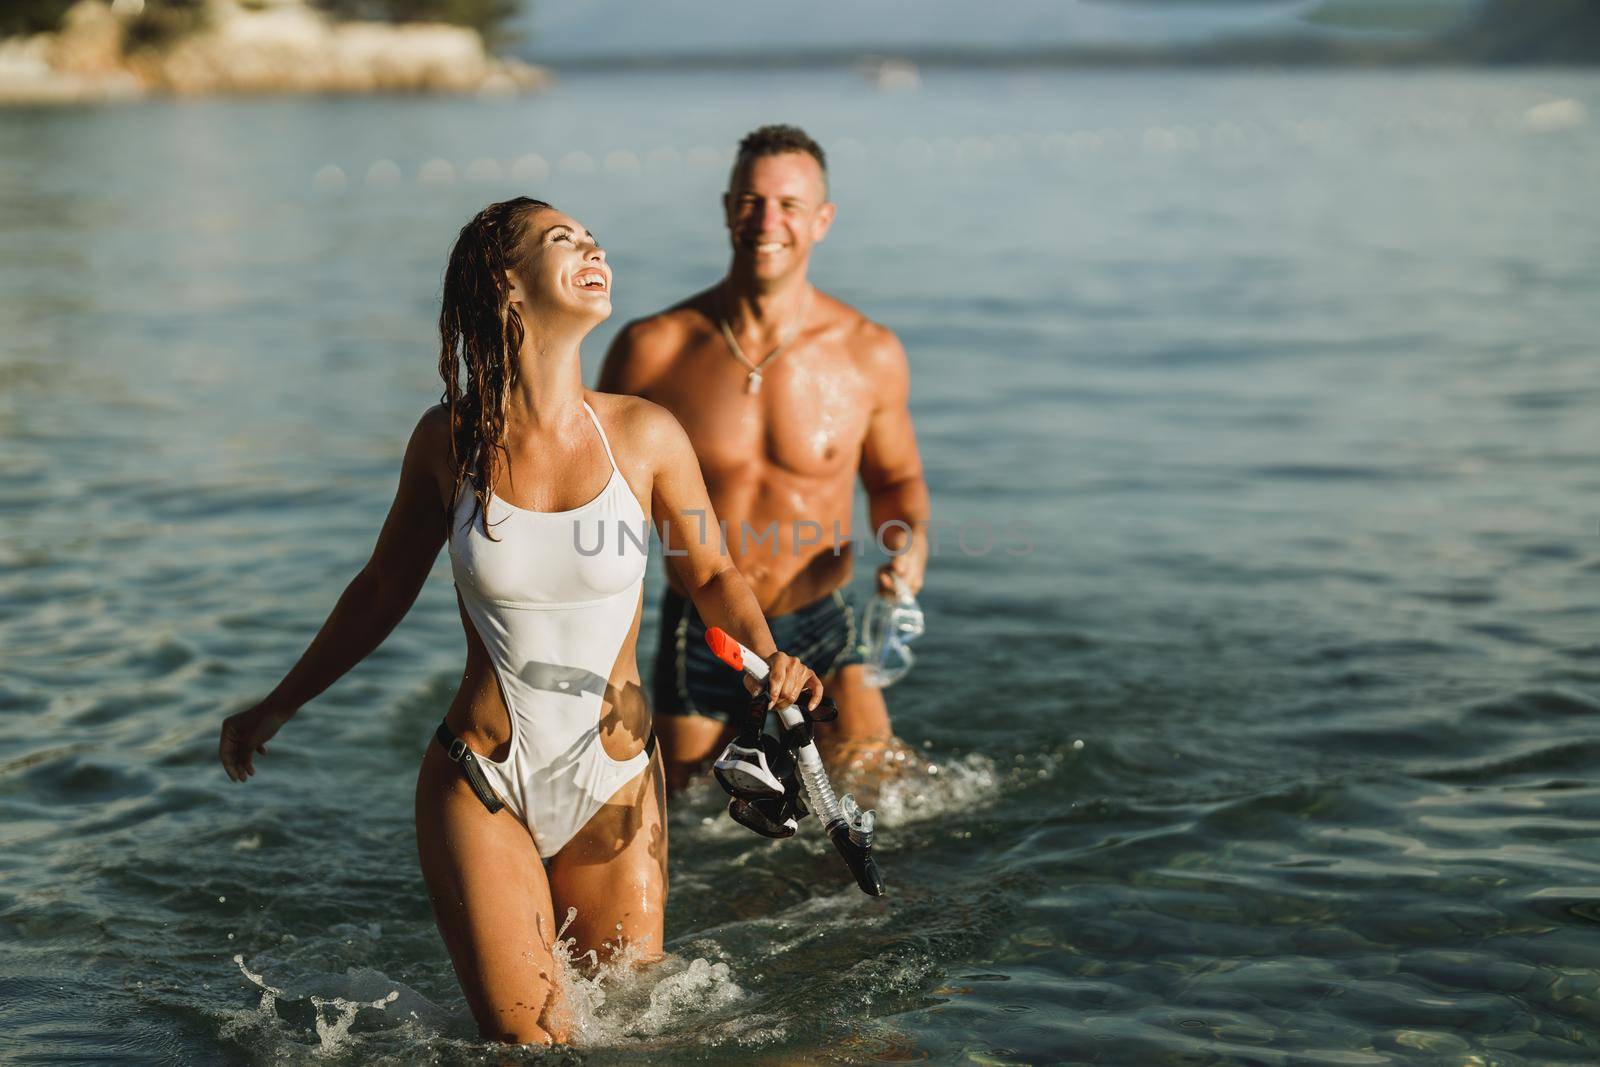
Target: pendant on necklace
[(752, 385)]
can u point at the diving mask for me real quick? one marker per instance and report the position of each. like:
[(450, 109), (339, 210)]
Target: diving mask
[(888, 627)]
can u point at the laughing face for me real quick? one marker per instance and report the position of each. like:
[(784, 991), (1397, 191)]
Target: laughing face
[(563, 272), (776, 207)]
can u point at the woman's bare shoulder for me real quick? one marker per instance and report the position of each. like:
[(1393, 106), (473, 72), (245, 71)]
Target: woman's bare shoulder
[(647, 431), (430, 439), (429, 450)]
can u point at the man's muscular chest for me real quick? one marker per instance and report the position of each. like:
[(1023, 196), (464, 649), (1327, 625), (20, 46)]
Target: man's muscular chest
[(808, 419)]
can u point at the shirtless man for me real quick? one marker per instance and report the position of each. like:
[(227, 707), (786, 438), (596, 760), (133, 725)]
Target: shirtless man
[(787, 395)]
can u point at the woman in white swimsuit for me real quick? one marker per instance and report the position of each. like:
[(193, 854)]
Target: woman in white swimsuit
[(542, 791)]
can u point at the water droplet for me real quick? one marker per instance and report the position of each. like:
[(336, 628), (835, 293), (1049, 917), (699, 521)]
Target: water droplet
[(330, 179), (483, 169), (436, 172), (384, 174), (621, 161), (577, 162), (662, 159), (530, 168)]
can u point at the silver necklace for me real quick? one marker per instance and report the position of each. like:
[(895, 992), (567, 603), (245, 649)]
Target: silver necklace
[(752, 385)]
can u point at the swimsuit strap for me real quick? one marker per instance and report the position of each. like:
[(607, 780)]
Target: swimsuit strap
[(603, 439)]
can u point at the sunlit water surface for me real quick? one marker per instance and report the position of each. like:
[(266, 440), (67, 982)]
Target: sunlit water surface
[(1275, 393)]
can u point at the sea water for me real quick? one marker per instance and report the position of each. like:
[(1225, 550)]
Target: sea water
[(1258, 710)]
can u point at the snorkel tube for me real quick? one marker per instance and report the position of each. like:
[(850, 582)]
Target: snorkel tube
[(745, 771)]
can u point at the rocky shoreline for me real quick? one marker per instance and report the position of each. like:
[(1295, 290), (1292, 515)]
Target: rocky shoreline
[(285, 47)]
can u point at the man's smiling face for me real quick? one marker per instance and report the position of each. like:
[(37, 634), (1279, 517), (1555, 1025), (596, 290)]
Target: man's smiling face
[(776, 208)]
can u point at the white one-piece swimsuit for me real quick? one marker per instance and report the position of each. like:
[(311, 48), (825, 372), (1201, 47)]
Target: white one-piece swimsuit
[(553, 598)]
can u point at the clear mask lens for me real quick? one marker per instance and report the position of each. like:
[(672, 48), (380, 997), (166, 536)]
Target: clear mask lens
[(889, 626), (894, 660)]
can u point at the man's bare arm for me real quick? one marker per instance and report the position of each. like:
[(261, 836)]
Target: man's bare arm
[(891, 467), (689, 533)]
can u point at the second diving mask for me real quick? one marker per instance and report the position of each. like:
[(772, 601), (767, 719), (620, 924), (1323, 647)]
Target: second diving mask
[(888, 627)]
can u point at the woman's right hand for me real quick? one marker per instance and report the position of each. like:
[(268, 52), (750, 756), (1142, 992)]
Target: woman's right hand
[(245, 734), (787, 680)]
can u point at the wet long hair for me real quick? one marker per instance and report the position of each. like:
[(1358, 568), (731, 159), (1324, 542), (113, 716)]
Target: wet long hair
[(480, 334)]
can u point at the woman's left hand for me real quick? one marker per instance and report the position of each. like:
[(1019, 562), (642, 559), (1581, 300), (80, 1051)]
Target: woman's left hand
[(788, 679)]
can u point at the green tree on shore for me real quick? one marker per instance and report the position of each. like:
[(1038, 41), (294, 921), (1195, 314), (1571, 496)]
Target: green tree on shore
[(488, 17), (32, 16)]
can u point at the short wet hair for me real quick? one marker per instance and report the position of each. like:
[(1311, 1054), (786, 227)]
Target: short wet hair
[(776, 140)]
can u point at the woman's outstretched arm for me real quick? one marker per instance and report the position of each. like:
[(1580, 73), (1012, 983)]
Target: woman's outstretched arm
[(681, 507), (371, 606)]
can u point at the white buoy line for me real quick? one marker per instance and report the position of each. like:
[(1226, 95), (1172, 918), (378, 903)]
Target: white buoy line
[(1307, 132)]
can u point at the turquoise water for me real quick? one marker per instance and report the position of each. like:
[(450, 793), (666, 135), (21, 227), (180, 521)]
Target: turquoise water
[(1286, 382)]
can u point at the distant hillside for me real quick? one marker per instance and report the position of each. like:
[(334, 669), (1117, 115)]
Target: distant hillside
[(564, 31), (1104, 32), (1532, 31)]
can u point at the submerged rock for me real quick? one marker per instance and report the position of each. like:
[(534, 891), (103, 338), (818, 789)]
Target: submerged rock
[(284, 48)]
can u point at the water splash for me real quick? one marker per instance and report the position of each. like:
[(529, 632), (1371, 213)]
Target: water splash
[(333, 1015), (702, 987), (607, 1003), (269, 995), (907, 785), (626, 997), (930, 789), (331, 1034)]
